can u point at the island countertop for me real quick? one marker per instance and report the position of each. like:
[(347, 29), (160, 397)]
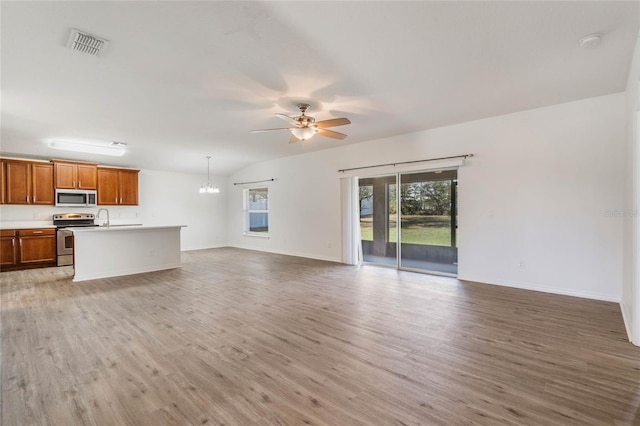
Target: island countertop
[(102, 252), (124, 227)]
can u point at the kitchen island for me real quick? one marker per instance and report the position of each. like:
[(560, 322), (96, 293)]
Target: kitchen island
[(117, 250)]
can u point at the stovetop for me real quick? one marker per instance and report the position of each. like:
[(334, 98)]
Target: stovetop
[(74, 220)]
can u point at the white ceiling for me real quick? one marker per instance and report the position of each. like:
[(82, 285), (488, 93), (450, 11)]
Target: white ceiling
[(182, 80)]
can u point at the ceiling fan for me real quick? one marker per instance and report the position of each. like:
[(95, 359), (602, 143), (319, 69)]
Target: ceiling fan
[(305, 127)]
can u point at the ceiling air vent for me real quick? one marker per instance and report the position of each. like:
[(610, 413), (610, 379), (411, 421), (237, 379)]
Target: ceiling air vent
[(86, 43)]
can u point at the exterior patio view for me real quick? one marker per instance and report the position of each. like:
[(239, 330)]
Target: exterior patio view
[(427, 209)]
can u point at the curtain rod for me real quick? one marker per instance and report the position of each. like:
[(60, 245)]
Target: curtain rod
[(407, 162), (255, 181)]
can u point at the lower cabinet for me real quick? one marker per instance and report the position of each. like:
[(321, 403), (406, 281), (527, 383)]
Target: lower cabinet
[(8, 248), (27, 248)]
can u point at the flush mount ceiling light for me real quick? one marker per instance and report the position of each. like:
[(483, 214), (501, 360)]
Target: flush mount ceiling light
[(114, 149), (209, 189), (590, 40)]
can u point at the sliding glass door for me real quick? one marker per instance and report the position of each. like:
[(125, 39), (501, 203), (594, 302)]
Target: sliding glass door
[(427, 207), (428, 221)]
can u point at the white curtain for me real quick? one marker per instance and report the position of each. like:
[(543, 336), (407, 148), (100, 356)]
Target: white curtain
[(351, 245)]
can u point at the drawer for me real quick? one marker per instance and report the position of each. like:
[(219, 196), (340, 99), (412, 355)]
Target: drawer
[(36, 232), (8, 233)]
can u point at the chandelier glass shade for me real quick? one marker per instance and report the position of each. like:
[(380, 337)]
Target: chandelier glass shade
[(209, 189), (304, 133)]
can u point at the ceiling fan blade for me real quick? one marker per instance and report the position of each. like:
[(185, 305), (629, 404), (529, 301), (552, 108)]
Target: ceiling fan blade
[(332, 123), (331, 134), (293, 139), (268, 130), (291, 120)]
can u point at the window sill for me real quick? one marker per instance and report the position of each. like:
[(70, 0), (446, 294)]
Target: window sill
[(256, 235)]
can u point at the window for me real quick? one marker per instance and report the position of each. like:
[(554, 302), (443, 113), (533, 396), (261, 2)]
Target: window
[(256, 212)]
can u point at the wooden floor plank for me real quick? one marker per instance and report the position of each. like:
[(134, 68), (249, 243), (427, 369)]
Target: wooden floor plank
[(240, 337)]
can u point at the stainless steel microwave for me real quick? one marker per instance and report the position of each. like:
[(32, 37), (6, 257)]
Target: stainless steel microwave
[(76, 198)]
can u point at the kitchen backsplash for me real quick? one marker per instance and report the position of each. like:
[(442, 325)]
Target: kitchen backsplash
[(118, 214)]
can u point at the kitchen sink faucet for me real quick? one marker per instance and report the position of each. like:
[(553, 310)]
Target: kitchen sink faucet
[(106, 223)]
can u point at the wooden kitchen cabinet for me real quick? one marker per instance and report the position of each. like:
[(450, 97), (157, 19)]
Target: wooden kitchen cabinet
[(3, 197), (8, 249), (27, 182), (117, 187), (27, 248), (37, 246), (75, 175)]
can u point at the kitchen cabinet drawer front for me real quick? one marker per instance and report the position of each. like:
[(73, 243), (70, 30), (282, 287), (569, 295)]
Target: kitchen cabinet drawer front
[(36, 232), (8, 233)]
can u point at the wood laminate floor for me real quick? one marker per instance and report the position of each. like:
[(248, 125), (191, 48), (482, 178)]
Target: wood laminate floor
[(239, 337)]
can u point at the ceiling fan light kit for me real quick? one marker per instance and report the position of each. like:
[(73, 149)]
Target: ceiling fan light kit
[(303, 133), (305, 127)]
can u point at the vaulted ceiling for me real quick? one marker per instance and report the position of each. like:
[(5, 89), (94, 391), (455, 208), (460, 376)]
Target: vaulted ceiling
[(182, 80)]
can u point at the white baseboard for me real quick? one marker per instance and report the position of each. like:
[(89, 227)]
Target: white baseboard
[(127, 271), (626, 317), (191, 248), (296, 254), (545, 289)]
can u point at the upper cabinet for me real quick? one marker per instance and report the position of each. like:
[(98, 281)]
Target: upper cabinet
[(75, 175), (27, 182), (117, 187), (3, 189), (34, 182)]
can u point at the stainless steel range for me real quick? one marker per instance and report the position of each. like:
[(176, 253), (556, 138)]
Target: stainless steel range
[(63, 223)]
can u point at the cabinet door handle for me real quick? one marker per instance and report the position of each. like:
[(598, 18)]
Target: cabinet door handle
[(13, 242), (34, 199), (37, 232), (73, 183)]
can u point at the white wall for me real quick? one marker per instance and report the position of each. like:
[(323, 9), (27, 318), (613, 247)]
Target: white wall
[(164, 198), (630, 302), (540, 189)]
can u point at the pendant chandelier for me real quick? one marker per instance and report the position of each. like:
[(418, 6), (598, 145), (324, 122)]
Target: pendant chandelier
[(209, 189)]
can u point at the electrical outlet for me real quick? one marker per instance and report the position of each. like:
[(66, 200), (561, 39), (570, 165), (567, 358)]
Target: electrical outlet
[(521, 265)]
